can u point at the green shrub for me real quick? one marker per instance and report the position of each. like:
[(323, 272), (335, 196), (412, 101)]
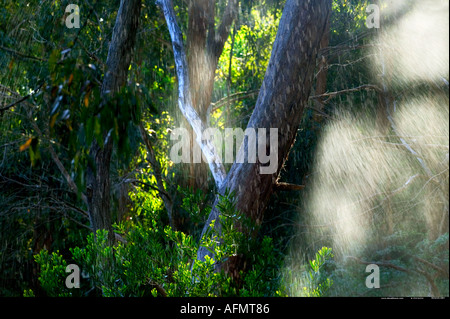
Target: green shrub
[(318, 281), (159, 261), (52, 274)]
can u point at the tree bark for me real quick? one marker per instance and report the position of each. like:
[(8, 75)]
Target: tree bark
[(280, 104), (184, 94), (204, 47), (117, 64)]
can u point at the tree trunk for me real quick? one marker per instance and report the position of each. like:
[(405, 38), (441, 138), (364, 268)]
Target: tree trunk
[(281, 101), (204, 47), (117, 64)]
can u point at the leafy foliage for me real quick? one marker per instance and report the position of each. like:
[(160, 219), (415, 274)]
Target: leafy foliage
[(318, 282), (158, 261), (53, 273)]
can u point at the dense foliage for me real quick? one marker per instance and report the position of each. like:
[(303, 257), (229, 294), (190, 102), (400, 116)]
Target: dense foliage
[(51, 110)]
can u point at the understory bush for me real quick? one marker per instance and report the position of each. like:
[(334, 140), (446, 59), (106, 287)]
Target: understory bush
[(159, 261)]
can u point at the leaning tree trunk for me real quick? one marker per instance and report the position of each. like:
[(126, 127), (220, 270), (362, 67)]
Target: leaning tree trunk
[(281, 101), (117, 64)]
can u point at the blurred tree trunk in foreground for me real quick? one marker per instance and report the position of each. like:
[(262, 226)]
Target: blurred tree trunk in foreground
[(117, 64)]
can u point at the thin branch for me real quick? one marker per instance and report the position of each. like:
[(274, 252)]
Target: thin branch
[(434, 289), (21, 55), (92, 55), (22, 99), (382, 264), (18, 183), (5, 88), (334, 94), (134, 181), (64, 205), (70, 206), (321, 113), (387, 196), (343, 65), (15, 103), (242, 95), (120, 238), (288, 187), (384, 94), (339, 48), (343, 46), (442, 271), (85, 214), (233, 97), (161, 191), (408, 147), (77, 222)]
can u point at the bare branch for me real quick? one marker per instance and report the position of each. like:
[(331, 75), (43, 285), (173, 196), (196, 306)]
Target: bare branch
[(384, 94), (382, 264), (69, 206), (242, 95), (408, 147), (339, 48), (334, 94), (441, 271), (21, 55), (233, 97)]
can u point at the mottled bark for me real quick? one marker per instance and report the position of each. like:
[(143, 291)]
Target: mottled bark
[(281, 101), (117, 64)]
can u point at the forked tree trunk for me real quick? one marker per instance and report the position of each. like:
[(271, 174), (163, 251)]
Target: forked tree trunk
[(204, 47), (281, 101), (117, 64)]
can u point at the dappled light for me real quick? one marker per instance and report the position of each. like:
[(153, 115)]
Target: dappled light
[(374, 183), (415, 41), (200, 148)]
